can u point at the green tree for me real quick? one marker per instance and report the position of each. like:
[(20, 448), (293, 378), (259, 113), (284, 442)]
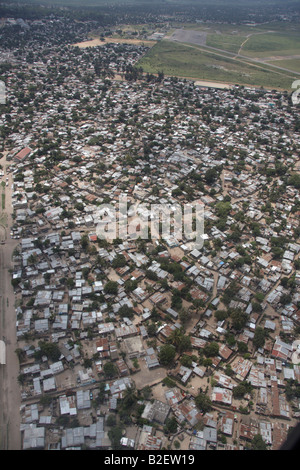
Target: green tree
[(167, 354), (101, 394), (259, 337), (184, 316), (240, 390), (109, 369), (84, 242), (21, 379), (223, 209), (151, 275), (176, 301), (211, 349), (119, 261), (171, 425), (242, 347), (292, 389), (125, 311), (111, 287), (151, 329), (186, 360), (203, 402), (115, 435), (285, 299), (238, 319), (211, 175), (129, 399), (258, 443), (111, 420), (294, 180), (179, 340), (230, 293), (221, 315), (50, 350)]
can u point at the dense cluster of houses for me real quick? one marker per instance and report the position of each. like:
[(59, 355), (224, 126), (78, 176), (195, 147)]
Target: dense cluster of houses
[(92, 312)]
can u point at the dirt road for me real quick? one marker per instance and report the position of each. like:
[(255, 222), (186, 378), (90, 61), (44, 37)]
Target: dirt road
[(10, 400)]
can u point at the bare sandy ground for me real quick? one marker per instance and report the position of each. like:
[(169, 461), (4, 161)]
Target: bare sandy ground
[(97, 42), (206, 83)]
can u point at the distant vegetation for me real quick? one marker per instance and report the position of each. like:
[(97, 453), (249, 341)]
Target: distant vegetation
[(232, 11)]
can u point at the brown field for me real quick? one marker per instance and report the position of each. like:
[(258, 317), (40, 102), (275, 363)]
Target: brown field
[(98, 42)]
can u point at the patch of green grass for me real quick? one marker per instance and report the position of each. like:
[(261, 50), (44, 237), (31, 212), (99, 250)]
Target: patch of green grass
[(193, 62), (227, 42), (290, 64)]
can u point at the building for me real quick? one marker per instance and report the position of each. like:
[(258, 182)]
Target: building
[(2, 353), (22, 154), (221, 395), (151, 358), (156, 411)]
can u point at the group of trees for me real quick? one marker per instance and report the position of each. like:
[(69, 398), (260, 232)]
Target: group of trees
[(50, 350), (236, 317)]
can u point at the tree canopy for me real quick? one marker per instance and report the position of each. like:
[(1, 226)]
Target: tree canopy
[(167, 354)]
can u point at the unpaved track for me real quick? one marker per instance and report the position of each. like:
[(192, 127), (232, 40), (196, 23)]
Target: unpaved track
[(10, 400)]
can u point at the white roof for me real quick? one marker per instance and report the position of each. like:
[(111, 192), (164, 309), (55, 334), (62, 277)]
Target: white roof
[(2, 352)]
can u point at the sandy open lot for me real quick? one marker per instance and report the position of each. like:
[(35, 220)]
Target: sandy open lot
[(146, 377)]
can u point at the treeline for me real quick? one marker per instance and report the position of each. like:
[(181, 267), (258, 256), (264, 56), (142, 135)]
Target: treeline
[(39, 12), (143, 12)]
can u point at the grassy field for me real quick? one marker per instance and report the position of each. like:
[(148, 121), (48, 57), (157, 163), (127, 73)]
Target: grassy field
[(194, 62), (291, 64), (228, 42), (272, 44)]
